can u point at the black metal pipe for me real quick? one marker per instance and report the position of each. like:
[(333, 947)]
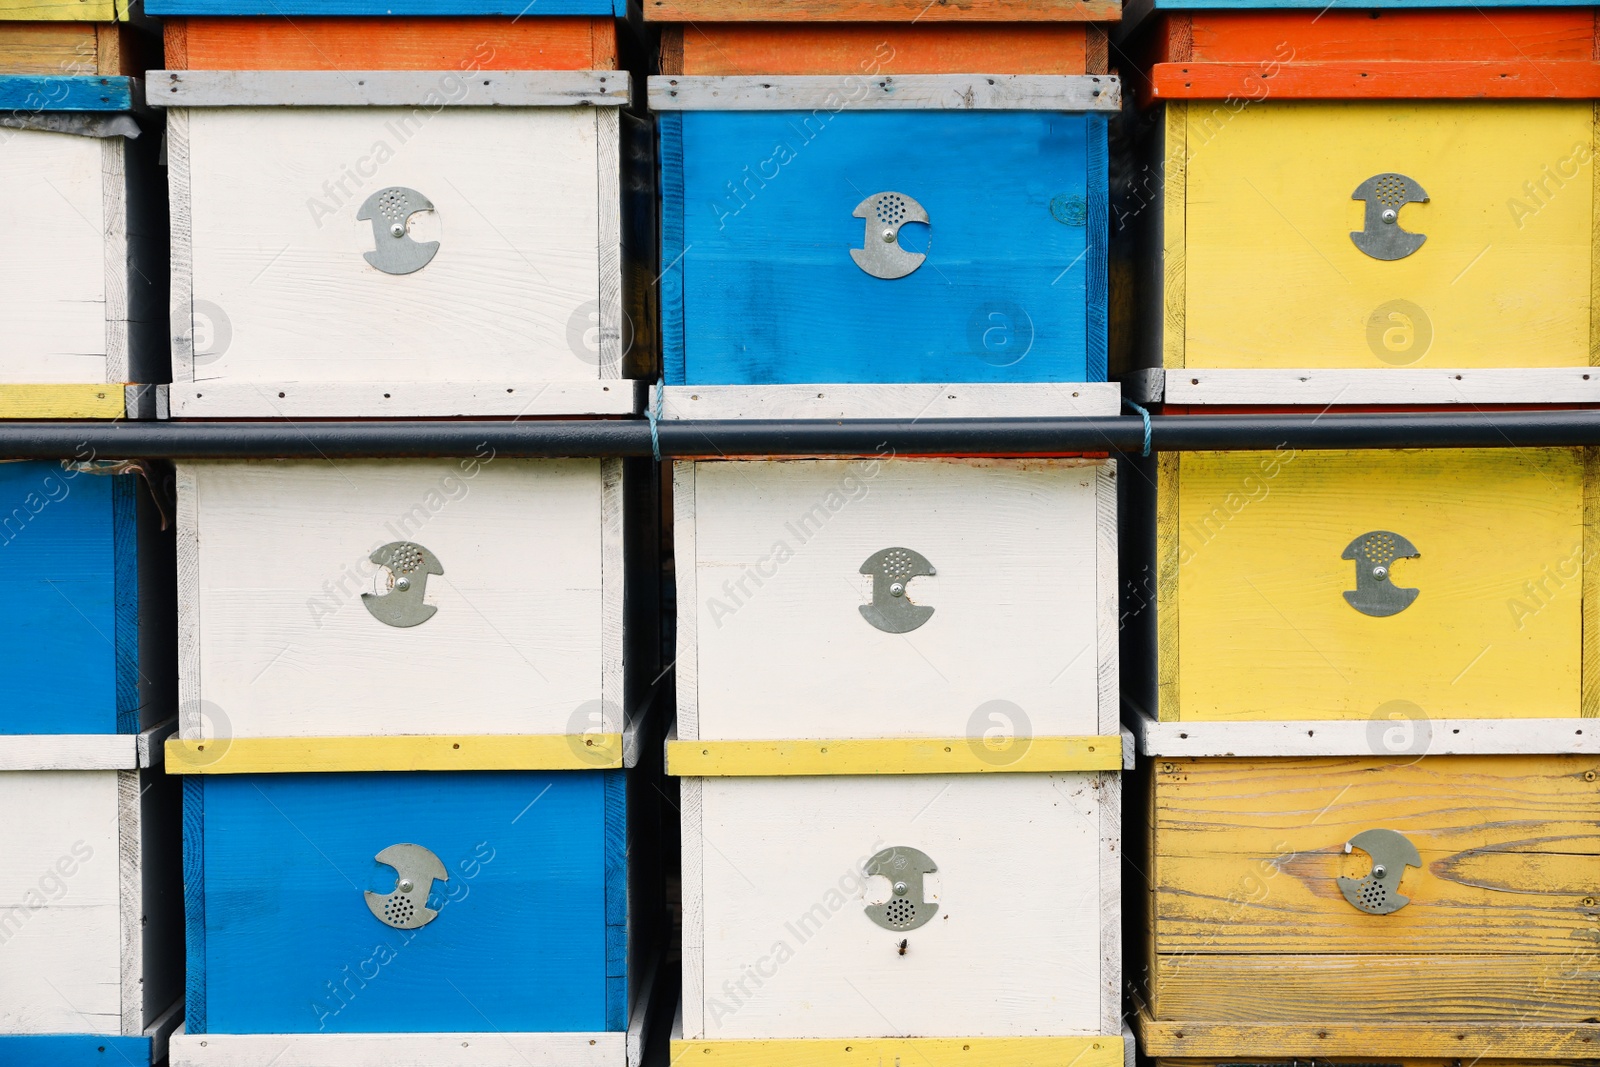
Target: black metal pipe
[(631, 437)]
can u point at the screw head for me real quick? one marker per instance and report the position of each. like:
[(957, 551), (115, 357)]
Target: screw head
[(403, 584), (1380, 573), (900, 889), (888, 237), (1378, 871), (1390, 214), (897, 589), (397, 230), (405, 885)]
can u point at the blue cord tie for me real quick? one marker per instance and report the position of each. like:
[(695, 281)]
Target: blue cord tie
[(653, 413), (1145, 415)]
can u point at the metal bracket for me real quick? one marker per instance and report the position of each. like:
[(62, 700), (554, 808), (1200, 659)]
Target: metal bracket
[(415, 870), (1379, 892), (390, 210), (409, 565), (1381, 236), (881, 255), (1374, 553), (891, 609), (908, 908)]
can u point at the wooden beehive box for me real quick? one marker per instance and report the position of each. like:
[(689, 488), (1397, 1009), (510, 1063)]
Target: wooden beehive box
[(438, 234), (1345, 207), (80, 193), (1355, 905), (1338, 586), (466, 918), (425, 606), (825, 227), (91, 909)]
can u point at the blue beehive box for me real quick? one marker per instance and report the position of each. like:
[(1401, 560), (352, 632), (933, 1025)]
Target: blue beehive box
[(78, 624), (896, 240), (347, 904)]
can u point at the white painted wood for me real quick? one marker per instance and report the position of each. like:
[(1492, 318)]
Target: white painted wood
[(68, 752), (433, 89), (691, 1012), (610, 331), (60, 911), (1108, 789), (782, 649), (639, 1020), (160, 1032), (114, 245), (143, 401), (913, 401), (181, 324), (600, 1049), (150, 744), (686, 672), (287, 648), (1015, 949), (1400, 385), (360, 400), (939, 92), (1368, 737), (1109, 680), (613, 592), (194, 718), (1130, 747), (130, 899), (54, 302), (278, 269)]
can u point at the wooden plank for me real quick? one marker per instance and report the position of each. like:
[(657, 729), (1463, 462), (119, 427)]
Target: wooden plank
[(67, 92), (62, 10), (922, 92), (1375, 736), (868, 50), (1169, 468), (385, 88), (462, 752), (68, 752), (1107, 592), (61, 401), (1494, 632), (1590, 698), (927, 1051), (881, 11), (1249, 852), (691, 1007), (1460, 990), (686, 654), (50, 48), (893, 755), (1323, 386), (1502, 79), (1594, 237), (1174, 194), (1108, 790), (114, 253), (613, 598), (487, 1049), (891, 401), (369, 8), (1096, 51), (249, 399), (609, 317), (383, 43), (1455, 1043), (130, 899), (1544, 34), (181, 327)]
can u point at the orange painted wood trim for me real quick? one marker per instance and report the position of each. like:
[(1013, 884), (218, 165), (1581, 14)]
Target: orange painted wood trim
[(919, 11), (1544, 34), (877, 48), (391, 44), (1442, 80)]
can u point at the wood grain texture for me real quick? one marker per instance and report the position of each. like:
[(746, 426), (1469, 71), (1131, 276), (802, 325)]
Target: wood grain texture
[(686, 656), (430, 89), (130, 901), (370, 8), (607, 320), (920, 92), (61, 930), (1108, 791), (1589, 705), (213, 399), (784, 900), (929, 1051), (708, 48), (67, 92), (1107, 655), (883, 400), (412, 752), (181, 325), (1247, 853), (436, 44), (1493, 278), (615, 854), (1594, 243), (126, 615), (881, 11), (1383, 386), (88, 401), (1420, 80), (613, 598), (1169, 520), (307, 307), (290, 650), (62, 10), (904, 755), (1096, 50), (1174, 195), (1450, 1044), (491, 1048), (50, 48), (691, 1007), (1495, 631), (1013, 641), (68, 752), (54, 300), (1358, 737), (194, 906), (1545, 33)]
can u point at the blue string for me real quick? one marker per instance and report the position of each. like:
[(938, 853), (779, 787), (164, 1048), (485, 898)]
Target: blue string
[(1145, 415), (653, 413)]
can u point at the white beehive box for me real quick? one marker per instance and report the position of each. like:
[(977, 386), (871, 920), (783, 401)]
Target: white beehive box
[(774, 635), (395, 243), (363, 599)]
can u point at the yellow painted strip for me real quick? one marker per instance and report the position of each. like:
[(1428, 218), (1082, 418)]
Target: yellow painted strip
[(918, 1051), (1460, 1043), (75, 401), (495, 752), (892, 755), (61, 11)]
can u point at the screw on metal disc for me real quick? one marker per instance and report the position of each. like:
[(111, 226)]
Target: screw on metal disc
[(1374, 894), (908, 908), (416, 869), (1381, 235), (892, 609), (884, 258), (409, 565), (1374, 554), (389, 211)]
